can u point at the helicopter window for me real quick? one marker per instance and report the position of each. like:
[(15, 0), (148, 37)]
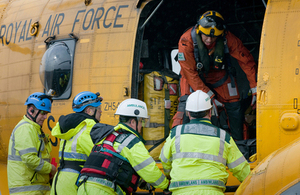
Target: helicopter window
[(56, 68)]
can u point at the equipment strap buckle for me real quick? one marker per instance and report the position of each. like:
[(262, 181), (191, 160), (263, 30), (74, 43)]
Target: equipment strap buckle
[(85, 177), (167, 104), (199, 66)]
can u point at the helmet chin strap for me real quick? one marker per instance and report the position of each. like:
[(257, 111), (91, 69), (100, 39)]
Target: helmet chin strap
[(94, 115), (33, 118), (137, 122)]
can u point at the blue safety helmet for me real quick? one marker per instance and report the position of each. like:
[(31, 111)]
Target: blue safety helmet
[(84, 99), (40, 100)]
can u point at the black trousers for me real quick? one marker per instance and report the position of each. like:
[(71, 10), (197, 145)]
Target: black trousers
[(236, 119)]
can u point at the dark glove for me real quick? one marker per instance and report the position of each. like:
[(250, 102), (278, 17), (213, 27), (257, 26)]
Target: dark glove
[(144, 185), (167, 192)]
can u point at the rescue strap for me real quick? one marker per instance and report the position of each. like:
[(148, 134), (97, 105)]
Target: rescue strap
[(188, 183), (199, 63), (156, 143), (196, 48), (100, 181), (102, 163), (154, 125), (229, 65)]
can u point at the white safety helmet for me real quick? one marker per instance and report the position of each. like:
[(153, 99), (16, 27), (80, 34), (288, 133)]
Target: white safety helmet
[(198, 101), (132, 107)]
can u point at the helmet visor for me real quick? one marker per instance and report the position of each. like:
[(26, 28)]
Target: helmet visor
[(208, 21)]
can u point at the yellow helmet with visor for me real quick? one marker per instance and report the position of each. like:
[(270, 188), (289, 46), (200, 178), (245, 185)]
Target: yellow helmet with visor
[(211, 23)]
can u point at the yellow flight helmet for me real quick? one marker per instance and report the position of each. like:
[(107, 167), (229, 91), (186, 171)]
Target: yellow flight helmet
[(211, 23)]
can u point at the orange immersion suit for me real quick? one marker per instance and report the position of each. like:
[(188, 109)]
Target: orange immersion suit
[(190, 80)]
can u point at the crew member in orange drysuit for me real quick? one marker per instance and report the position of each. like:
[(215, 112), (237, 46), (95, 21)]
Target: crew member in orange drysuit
[(204, 56)]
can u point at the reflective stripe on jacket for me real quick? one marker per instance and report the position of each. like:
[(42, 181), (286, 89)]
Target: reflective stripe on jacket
[(78, 141), (23, 162), (196, 154), (132, 148)]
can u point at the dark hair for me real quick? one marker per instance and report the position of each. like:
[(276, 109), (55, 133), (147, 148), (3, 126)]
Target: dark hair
[(125, 119), (199, 114), (31, 105)]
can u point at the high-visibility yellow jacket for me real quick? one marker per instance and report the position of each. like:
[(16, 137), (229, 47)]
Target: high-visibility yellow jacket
[(74, 131), (28, 171), (131, 147), (196, 154)]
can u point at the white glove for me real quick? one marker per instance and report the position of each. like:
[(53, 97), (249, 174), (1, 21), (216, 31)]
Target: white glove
[(210, 94), (213, 99), (215, 105)]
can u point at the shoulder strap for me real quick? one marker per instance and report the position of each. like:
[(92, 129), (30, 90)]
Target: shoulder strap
[(200, 65), (107, 145), (226, 49), (229, 65), (196, 48), (200, 53), (109, 141)]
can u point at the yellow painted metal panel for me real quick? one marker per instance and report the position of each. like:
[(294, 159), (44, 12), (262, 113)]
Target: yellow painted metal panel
[(96, 68), (103, 59), (278, 104), (277, 76), (4, 60), (3, 184), (3, 4), (274, 174)]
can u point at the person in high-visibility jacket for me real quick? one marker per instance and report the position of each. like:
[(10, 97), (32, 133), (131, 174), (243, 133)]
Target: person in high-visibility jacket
[(28, 165), (119, 156), (76, 144), (204, 55), (196, 154)]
